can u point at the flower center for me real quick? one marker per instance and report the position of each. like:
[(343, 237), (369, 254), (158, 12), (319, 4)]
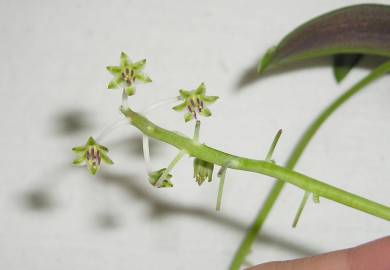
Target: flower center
[(128, 76), (93, 156), (195, 106)]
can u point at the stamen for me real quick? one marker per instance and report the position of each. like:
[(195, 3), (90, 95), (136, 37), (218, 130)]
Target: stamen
[(128, 71), (99, 159)]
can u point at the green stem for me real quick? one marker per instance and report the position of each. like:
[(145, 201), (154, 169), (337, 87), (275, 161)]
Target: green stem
[(300, 209), (273, 145), (179, 156), (222, 174), (262, 215), (171, 165), (206, 153), (197, 131)]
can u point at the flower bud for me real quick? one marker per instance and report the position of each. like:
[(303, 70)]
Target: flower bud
[(155, 176), (203, 170)]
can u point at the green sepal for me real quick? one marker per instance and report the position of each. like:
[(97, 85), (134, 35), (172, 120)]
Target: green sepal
[(91, 141), (105, 158), (201, 90), (188, 117), (139, 65), (114, 70), (102, 148), (124, 59), (114, 84), (210, 99), (143, 78), (180, 107), (130, 90), (93, 169), (205, 112), (79, 149), (80, 161), (184, 93)]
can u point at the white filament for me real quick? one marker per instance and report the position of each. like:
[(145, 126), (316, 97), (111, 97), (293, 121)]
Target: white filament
[(145, 139), (111, 127)]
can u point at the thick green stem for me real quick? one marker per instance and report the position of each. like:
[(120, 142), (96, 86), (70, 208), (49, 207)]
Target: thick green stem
[(262, 215), (206, 153)]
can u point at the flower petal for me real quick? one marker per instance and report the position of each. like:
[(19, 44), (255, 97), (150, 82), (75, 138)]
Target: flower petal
[(180, 107), (205, 112), (143, 77), (102, 148), (210, 99), (79, 161), (114, 70), (125, 62), (188, 117), (105, 158), (184, 93), (93, 168), (91, 141), (79, 149), (201, 90), (130, 90), (114, 84), (138, 66)]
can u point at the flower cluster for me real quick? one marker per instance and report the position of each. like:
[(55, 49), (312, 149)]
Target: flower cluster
[(92, 154), (128, 74), (195, 102)]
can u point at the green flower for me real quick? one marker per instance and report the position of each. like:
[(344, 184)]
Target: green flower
[(155, 176), (195, 102), (203, 170), (92, 154), (127, 74)]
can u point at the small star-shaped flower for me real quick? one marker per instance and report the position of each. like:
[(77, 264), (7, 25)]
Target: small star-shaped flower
[(195, 102), (128, 74), (92, 154)]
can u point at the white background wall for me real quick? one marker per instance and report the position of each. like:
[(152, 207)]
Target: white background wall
[(52, 64)]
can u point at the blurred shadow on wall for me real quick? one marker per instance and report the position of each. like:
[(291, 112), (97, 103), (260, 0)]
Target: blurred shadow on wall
[(40, 198), (251, 76), (72, 121), (160, 208)]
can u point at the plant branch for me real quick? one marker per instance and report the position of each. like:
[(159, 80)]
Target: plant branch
[(206, 153)]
